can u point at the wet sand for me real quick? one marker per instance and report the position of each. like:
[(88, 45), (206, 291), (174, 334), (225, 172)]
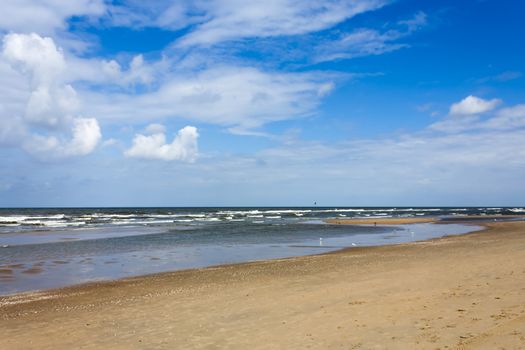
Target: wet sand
[(381, 221), (458, 292)]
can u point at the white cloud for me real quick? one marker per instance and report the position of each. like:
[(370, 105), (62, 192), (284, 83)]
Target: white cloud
[(240, 97), (362, 42), (507, 118), (417, 22), (365, 41), (85, 137), (217, 21), (236, 19), (35, 55), (44, 16), (456, 124), (46, 108), (183, 147), (502, 77), (472, 105), (155, 129)]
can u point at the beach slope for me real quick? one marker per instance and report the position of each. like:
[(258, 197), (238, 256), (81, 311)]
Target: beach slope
[(461, 292)]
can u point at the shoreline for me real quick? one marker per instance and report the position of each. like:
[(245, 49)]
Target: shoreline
[(359, 222), (352, 297), (381, 221)]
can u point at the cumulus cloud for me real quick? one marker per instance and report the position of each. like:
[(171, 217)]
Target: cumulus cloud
[(241, 98), (472, 105), (45, 103), (183, 147), (35, 55), (85, 137)]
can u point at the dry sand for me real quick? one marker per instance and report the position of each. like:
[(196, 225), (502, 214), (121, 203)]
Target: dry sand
[(461, 292)]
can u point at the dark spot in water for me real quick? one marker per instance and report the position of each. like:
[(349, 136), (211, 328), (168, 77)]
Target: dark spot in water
[(15, 266), (60, 262), (33, 270)]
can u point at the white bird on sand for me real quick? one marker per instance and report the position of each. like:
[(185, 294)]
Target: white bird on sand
[(353, 244)]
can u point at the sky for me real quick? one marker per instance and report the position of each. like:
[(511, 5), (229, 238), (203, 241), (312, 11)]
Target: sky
[(262, 103)]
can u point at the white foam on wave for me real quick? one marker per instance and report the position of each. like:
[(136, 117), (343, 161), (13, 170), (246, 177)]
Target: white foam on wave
[(287, 211), (338, 210), (238, 212), (52, 223), (13, 218), (113, 216), (209, 219)]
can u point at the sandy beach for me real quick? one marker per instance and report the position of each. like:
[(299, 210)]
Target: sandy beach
[(460, 292)]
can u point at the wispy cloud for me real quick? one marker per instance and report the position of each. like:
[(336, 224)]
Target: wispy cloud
[(45, 16), (366, 41), (466, 116), (240, 97), (502, 77), (218, 21), (230, 19)]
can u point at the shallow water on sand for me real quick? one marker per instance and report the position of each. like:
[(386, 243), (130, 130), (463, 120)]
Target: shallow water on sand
[(38, 259)]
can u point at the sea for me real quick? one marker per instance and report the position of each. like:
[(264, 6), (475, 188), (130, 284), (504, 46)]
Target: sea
[(43, 248)]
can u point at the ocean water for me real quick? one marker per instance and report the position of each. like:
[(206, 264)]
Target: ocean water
[(48, 248)]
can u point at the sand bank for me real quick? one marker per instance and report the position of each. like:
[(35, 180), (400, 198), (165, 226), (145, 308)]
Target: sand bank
[(381, 221), (460, 292)]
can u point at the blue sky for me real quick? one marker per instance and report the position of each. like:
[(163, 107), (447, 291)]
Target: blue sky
[(277, 103)]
